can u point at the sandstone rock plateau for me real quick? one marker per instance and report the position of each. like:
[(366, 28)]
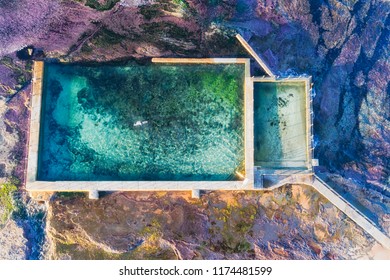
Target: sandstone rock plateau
[(293, 222)]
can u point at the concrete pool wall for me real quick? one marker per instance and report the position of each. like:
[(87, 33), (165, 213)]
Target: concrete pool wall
[(290, 122), (34, 185), (254, 177)]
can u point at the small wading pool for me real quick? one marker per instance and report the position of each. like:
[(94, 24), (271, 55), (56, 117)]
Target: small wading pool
[(173, 122), (280, 124)]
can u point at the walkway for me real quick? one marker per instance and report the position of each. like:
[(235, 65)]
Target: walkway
[(349, 210)]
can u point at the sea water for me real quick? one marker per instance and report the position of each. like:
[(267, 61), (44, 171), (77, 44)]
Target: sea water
[(142, 122), (280, 136)]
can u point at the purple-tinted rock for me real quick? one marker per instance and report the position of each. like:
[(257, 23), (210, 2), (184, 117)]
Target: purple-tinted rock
[(11, 115), (331, 90), (374, 28), (73, 20), (18, 117), (335, 20), (374, 124), (360, 79), (22, 21), (269, 11), (258, 27), (335, 79), (271, 59), (7, 80), (349, 53), (2, 170)]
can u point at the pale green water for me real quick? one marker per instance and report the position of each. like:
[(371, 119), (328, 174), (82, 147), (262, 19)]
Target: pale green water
[(280, 124), (155, 122)]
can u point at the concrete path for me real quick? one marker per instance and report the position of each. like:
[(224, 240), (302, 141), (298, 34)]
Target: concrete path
[(353, 213), (255, 56)]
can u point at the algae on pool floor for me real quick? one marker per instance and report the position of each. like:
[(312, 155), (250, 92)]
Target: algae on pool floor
[(133, 122), (280, 124)]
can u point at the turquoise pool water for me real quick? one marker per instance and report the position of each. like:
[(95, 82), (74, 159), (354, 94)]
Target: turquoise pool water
[(133, 122), (280, 138)]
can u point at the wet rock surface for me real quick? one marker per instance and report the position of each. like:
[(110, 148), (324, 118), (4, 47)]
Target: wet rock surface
[(293, 222), (12, 242), (343, 45)]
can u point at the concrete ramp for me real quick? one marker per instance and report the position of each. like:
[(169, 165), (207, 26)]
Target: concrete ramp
[(353, 213), (255, 56)]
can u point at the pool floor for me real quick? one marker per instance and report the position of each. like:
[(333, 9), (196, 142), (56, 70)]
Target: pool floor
[(133, 122), (280, 124)]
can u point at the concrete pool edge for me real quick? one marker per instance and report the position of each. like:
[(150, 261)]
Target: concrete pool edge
[(35, 117), (308, 109), (33, 185)]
